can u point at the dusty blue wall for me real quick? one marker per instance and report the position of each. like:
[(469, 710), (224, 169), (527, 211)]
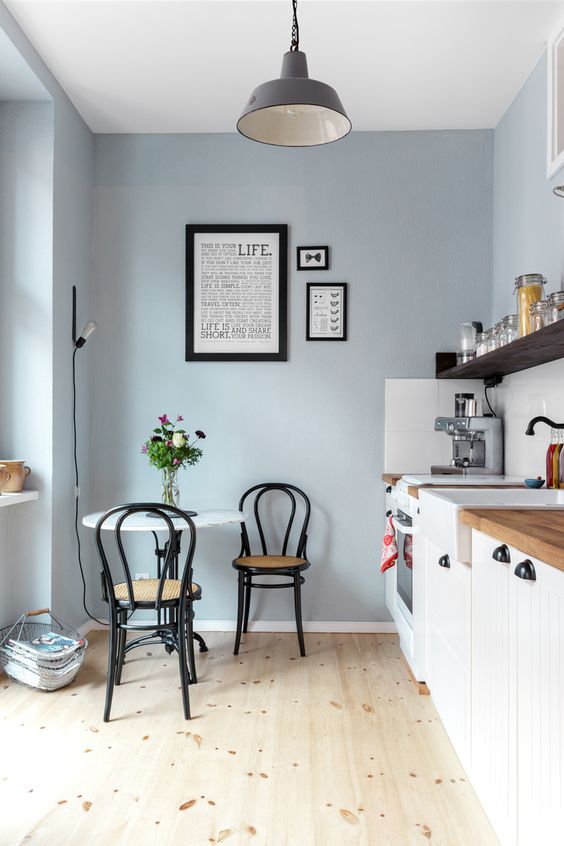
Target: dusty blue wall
[(408, 220)]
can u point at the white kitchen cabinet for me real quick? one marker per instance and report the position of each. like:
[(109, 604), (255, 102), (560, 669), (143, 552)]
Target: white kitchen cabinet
[(449, 641), (517, 744), (493, 744), (539, 616)]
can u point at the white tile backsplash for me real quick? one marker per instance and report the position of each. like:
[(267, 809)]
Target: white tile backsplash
[(411, 406), (520, 397)]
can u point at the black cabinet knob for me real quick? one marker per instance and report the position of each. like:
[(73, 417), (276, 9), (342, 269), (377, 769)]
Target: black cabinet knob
[(389, 489), (388, 513), (444, 561), (526, 570), (501, 554)]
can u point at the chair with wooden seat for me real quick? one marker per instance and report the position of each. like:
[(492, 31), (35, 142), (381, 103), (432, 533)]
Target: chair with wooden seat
[(170, 596), (250, 566)]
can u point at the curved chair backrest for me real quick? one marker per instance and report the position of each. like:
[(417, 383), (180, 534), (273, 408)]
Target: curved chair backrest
[(294, 494), (116, 518)]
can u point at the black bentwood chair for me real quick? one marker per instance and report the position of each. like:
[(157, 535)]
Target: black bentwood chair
[(249, 566), (170, 597)]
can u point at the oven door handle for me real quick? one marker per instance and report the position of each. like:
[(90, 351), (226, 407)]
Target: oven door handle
[(404, 530)]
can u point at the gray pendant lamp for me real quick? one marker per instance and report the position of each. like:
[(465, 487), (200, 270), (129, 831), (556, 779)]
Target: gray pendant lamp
[(294, 111)]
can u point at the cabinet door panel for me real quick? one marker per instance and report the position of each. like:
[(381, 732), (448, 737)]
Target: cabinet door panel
[(540, 704), (493, 763)]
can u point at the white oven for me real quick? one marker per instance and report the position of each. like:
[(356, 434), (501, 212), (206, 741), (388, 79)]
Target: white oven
[(406, 581)]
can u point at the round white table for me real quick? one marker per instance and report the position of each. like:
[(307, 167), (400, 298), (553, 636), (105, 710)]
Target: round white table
[(142, 522)]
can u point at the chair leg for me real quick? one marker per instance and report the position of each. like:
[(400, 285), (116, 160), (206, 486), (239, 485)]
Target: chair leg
[(120, 660), (190, 644), (248, 587), (184, 680), (298, 609), (112, 655), (240, 603)]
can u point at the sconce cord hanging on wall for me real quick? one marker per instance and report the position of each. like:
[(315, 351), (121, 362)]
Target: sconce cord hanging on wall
[(294, 111), (78, 343)]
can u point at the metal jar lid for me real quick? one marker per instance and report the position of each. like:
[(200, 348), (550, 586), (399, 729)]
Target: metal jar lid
[(538, 307), (529, 279), (555, 298)]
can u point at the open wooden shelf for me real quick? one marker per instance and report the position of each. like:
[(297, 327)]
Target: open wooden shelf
[(538, 348)]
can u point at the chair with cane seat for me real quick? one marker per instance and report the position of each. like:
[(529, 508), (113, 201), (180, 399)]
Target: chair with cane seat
[(251, 566), (171, 595)]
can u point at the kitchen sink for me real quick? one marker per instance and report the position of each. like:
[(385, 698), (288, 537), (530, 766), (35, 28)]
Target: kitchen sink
[(438, 517)]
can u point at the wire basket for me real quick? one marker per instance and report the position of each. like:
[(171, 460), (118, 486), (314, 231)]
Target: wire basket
[(46, 656)]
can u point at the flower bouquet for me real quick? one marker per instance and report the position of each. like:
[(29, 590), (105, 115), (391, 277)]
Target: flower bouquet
[(169, 448)]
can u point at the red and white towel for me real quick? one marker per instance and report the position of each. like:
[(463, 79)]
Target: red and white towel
[(389, 547)]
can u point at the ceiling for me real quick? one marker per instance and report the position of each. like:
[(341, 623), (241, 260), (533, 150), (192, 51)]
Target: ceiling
[(189, 66)]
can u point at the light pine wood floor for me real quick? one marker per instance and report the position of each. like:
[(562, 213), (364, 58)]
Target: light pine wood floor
[(331, 750)]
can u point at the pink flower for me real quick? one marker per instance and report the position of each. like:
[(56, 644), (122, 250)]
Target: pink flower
[(169, 443), (175, 462), (179, 419), (164, 419), (144, 449)]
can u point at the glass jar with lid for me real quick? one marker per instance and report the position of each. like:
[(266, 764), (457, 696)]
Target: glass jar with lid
[(493, 337), (555, 307), (482, 343), (538, 315), (529, 289), (509, 329)]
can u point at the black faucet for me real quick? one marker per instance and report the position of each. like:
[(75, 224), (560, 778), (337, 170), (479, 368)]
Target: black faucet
[(530, 430)]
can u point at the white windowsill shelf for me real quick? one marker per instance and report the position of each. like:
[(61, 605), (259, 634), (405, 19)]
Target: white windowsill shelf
[(16, 498)]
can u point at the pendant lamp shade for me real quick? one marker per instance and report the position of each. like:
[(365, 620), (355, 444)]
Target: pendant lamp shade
[(294, 111)]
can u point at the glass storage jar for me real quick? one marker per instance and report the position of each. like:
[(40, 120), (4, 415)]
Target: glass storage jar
[(510, 329), (493, 339), (529, 289), (538, 314), (555, 306), (482, 343)]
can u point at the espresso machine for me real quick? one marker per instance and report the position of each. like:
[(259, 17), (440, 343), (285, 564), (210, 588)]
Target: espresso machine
[(477, 442)]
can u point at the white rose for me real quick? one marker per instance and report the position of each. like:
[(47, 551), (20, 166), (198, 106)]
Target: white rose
[(178, 440)]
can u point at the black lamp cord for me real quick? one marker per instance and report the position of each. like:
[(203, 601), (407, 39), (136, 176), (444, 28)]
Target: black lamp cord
[(488, 402), (295, 45), (77, 492)]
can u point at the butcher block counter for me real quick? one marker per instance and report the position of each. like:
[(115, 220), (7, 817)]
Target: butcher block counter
[(537, 532)]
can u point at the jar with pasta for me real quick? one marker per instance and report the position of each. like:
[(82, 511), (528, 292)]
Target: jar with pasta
[(529, 289)]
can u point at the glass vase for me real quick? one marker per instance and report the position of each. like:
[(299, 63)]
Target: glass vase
[(170, 493)]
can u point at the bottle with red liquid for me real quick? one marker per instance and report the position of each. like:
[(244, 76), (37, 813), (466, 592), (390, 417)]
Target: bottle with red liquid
[(556, 460), (550, 459)]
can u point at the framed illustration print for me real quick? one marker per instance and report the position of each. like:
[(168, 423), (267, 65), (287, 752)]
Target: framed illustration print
[(236, 292), (313, 258), (326, 311)]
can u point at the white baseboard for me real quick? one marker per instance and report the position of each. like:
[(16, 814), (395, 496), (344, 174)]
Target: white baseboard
[(320, 626)]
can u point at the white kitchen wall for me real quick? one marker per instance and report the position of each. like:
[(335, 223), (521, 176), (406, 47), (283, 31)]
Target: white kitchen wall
[(520, 397), (410, 407)]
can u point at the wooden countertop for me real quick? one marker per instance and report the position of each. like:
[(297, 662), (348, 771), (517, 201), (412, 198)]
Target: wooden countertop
[(537, 532), (391, 478)]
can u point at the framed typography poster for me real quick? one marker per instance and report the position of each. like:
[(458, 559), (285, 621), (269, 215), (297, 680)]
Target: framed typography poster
[(326, 311), (236, 292)]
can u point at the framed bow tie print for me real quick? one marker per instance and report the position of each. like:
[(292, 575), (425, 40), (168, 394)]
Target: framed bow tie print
[(313, 258)]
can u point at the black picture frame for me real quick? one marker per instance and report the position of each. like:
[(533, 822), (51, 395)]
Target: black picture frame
[(302, 252), (336, 309), (194, 230)]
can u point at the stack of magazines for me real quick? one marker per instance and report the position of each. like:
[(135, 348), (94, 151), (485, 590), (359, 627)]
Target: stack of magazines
[(47, 662)]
